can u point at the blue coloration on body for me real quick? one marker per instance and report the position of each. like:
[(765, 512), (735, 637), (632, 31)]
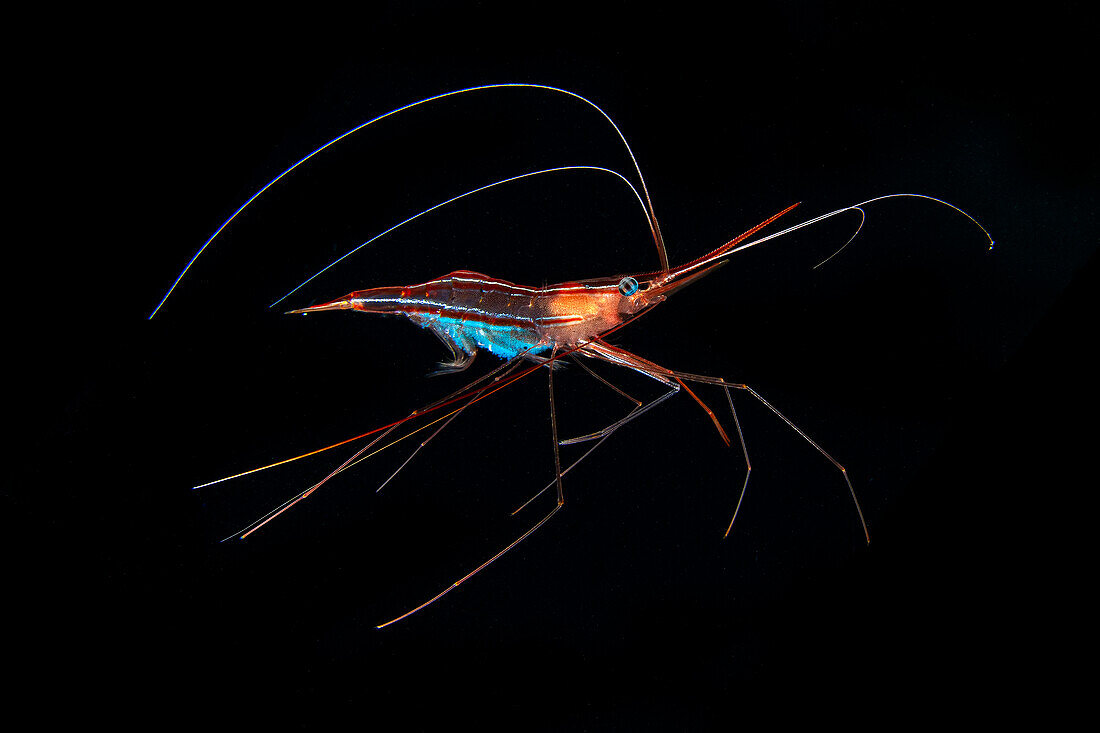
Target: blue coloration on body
[(504, 341)]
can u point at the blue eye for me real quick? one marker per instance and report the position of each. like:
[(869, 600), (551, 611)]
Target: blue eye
[(628, 286)]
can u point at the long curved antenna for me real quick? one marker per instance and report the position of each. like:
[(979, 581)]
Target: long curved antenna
[(440, 205), (856, 207), (653, 225), (862, 221)]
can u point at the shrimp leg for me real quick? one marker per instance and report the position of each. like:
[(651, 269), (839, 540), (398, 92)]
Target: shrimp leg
[(522, 537), (601, 350), (718, 381), (624, 358), (635, 413), (748, 463), (511, 364), (455, 396), (359, 456), (597, 377), (600, 436), (615, 355)]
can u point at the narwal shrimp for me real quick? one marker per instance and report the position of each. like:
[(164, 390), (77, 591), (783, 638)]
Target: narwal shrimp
[(532, 328)]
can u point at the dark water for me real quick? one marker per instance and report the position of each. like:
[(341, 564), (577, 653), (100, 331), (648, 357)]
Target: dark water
[(944, 376)]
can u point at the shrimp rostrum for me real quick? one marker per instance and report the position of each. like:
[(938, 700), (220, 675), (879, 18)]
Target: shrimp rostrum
[(534, 328)]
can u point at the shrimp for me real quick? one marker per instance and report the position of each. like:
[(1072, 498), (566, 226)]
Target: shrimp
[(536, 328)]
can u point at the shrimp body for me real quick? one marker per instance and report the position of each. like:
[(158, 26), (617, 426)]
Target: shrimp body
[(469, 311)]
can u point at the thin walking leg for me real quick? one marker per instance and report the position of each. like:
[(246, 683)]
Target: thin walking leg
[(615, 355), (600, 349), (554, 432), (359, 456), (522, 537), (450, 418), (748, 465), (633, 414), (593, 351), (582, 365), (843, 471), (601, 435), (453, 397)]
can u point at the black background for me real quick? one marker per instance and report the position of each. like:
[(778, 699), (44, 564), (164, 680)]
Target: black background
[(948, 378)]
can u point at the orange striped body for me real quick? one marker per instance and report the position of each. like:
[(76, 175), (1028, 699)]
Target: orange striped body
[(468, 311)]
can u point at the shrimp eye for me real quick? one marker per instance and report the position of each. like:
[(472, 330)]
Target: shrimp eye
[(628, 286)]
